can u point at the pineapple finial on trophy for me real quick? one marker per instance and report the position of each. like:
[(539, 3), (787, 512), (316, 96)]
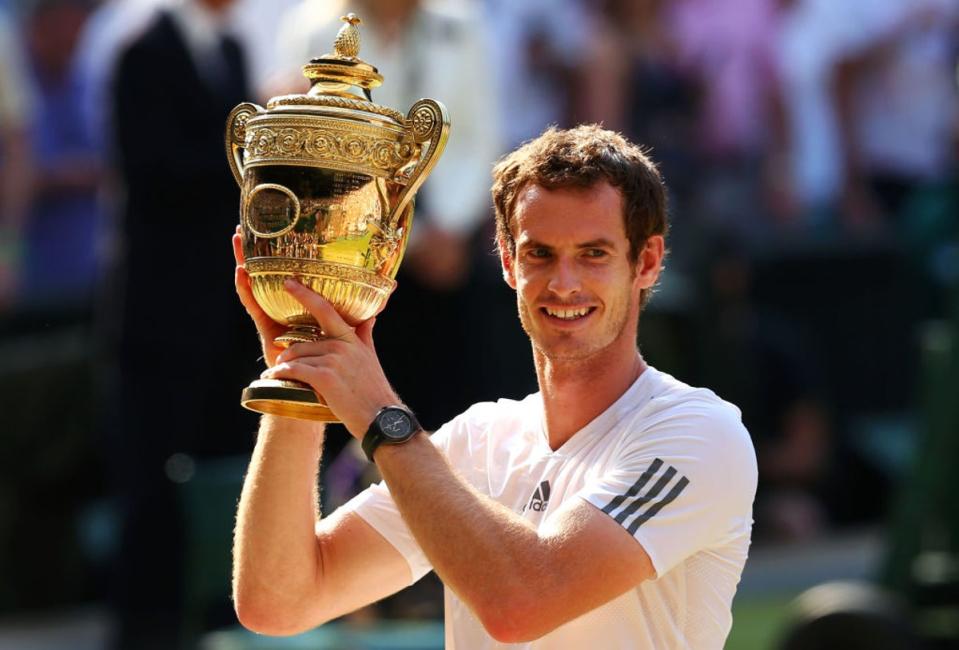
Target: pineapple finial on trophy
[(347, 43)]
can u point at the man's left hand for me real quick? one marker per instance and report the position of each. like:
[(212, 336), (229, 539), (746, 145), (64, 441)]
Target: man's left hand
[(342, 368)]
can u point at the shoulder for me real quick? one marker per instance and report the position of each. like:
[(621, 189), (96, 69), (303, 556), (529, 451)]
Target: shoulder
[(503, 408), (695, 429), (503, 413), (152, 41), (675, 403), (485, 422)]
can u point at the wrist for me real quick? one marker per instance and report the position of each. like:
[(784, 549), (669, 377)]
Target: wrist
[(358, 424), (392, 425), (288, 426), (384, 453)]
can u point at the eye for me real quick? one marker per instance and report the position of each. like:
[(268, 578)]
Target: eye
[(595, 252), (538, 253)]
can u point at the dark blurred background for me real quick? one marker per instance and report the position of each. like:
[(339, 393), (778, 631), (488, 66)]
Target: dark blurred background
[(810, 148)]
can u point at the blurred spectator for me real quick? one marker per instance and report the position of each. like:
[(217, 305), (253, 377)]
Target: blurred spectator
[(650, 98), (60, 264), (16, 114), (423, 50), (761, 360), (257, 22), (728, 46), (539, 60), (695, 81), (107, 32), (185, 349), (872, 102)]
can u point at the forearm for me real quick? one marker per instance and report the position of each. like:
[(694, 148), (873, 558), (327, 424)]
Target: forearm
[(276, 557), (492, 558)]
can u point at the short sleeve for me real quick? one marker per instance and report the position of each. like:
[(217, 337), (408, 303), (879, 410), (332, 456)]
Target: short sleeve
[(684, 484), (375, 506)]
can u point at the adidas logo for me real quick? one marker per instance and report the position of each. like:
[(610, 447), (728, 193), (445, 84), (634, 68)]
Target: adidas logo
[(540, 498)]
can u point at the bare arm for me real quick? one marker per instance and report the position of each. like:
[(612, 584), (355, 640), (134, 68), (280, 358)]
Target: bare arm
[(292, 569), (520, 582)]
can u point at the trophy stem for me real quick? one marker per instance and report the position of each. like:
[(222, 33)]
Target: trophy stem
[(300, 334), (292, 399), (286, 397)]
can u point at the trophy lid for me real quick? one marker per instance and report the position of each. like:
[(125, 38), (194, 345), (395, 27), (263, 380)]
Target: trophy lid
[(334, 77), (330, 72)]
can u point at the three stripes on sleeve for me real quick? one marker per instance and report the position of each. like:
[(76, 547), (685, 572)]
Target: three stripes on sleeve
[(635, 507)]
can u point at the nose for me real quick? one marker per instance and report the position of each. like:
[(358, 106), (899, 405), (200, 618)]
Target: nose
[(564, 281)]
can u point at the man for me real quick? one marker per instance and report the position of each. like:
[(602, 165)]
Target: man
[(612, 509), (172, 89)]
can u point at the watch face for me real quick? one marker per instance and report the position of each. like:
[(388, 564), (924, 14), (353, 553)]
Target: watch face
[(395, 425)]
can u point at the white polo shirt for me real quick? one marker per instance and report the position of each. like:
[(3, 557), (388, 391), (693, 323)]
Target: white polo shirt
[(670, 463)]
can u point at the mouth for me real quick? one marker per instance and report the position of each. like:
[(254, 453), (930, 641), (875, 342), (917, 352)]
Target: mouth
[(567, 314)]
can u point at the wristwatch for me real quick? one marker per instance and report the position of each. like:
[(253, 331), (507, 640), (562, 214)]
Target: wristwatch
[(393, 425)]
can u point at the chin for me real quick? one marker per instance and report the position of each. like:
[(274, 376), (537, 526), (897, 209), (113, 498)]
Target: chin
[(570, 352)]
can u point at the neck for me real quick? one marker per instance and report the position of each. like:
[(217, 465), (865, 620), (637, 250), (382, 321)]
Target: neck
[(576, 391)]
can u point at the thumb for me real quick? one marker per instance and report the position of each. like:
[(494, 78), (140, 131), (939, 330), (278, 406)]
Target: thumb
[(364, 332), (320, 308)]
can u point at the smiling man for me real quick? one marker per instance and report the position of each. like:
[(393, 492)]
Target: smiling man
[(611, 509)]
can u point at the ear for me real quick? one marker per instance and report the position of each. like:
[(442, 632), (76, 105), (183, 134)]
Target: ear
[(506, 259), (649, 263)]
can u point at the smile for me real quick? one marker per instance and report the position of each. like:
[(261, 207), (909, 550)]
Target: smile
[(567, 313)]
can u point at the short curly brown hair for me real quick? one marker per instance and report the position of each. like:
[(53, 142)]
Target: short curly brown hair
[(581, 157)]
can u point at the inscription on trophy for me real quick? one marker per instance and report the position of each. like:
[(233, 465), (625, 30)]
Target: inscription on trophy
[(272, 210)]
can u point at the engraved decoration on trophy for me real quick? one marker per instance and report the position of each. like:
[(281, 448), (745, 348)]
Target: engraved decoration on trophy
[(327, 184)]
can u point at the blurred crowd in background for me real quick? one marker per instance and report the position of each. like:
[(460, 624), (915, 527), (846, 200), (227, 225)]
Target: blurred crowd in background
[(810, 148)]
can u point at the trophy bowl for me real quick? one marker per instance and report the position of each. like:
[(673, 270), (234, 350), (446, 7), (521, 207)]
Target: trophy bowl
[(327, 181)]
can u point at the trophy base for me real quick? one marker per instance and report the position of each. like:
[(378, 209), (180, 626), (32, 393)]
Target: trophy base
[(286, 398)]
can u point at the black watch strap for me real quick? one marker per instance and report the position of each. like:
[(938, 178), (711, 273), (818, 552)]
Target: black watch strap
[(393, 425)]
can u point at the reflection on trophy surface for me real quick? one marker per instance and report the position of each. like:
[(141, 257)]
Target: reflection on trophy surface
[(328, 180)]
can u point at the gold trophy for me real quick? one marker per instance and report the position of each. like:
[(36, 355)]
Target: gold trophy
[(328, 180)]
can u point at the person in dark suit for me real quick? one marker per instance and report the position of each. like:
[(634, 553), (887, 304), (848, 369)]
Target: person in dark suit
[(173, 88)]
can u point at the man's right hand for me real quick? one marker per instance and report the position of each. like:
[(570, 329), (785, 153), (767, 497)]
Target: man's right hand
[(268, 328)]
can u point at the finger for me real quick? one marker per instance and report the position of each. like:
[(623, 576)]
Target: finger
[(364, 332), (330, 321), (300, 351), (316, 376), (262, 320), (383, 304), (238, 247), (245, 290), (327, 361)]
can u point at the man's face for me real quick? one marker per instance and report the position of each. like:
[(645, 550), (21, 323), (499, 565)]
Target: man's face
[(576, 289)]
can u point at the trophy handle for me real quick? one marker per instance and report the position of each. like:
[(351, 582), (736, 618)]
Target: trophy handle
[(236, 136), (429, 121)]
